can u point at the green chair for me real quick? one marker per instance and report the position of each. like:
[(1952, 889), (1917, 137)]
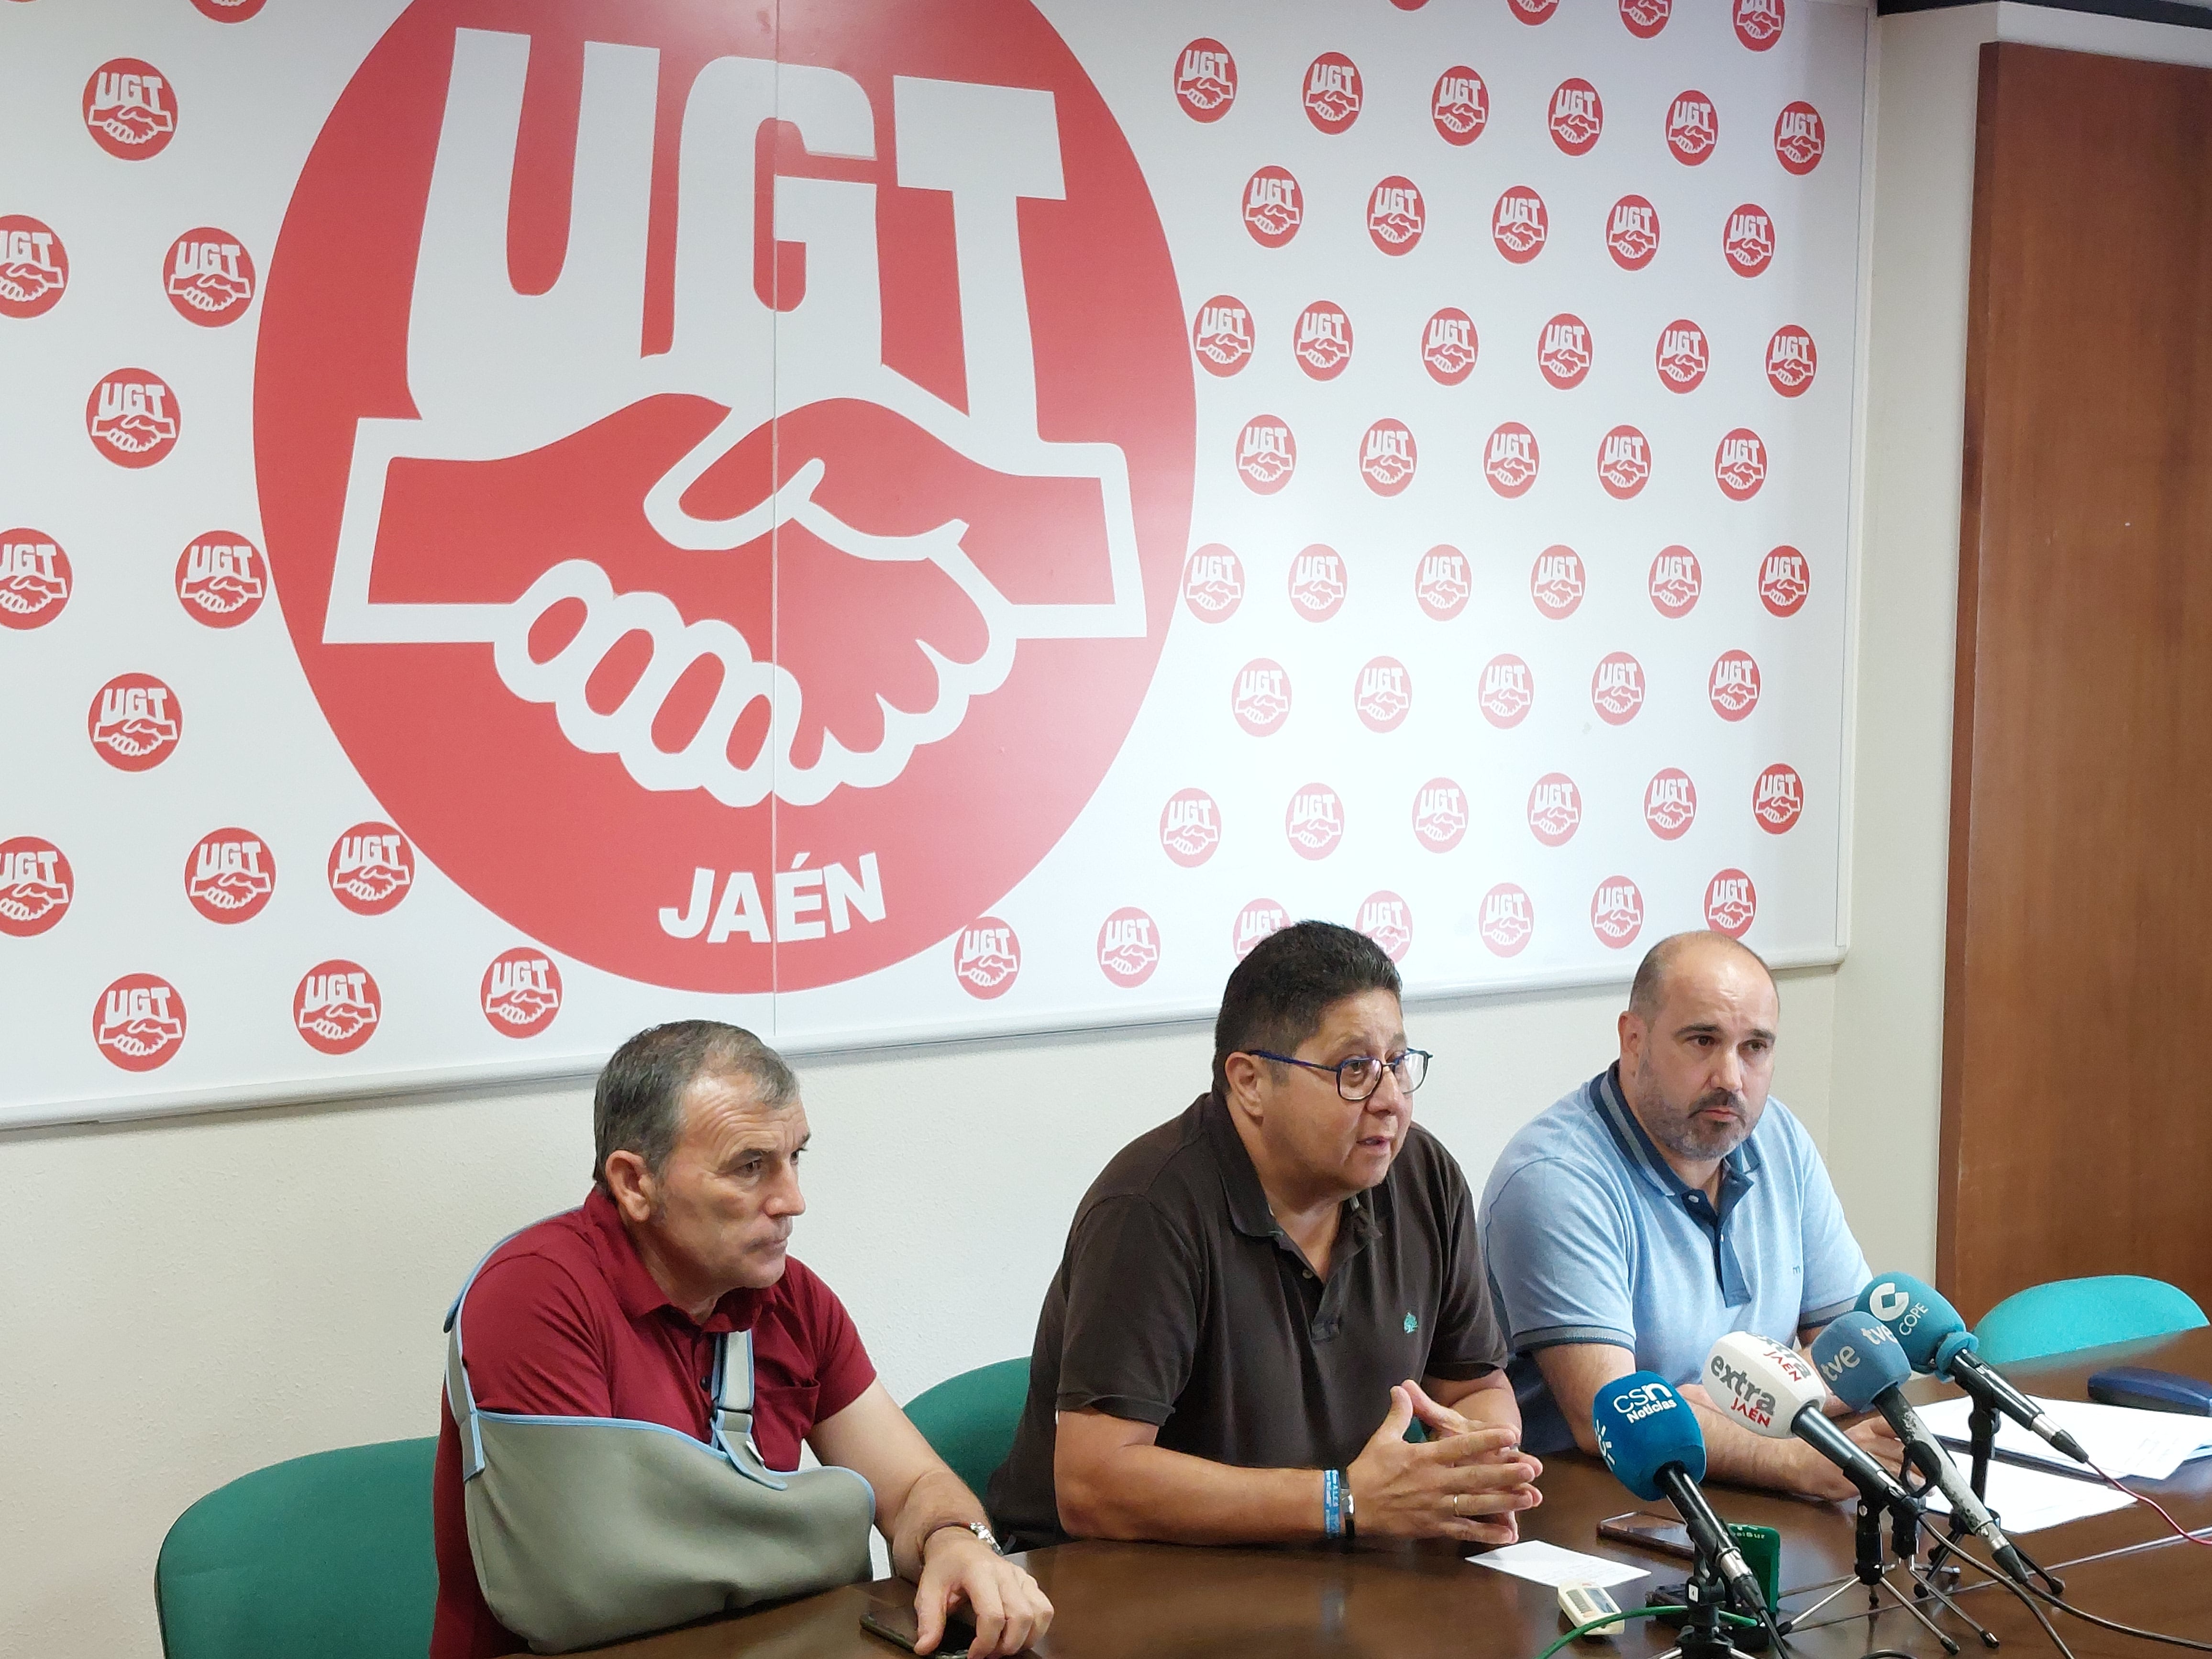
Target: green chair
[(324, 1557), (969, 1419), (2083, 1313)]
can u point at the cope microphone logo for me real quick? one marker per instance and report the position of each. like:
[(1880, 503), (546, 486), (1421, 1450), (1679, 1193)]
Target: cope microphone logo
[(1205, 80), (1260, 697), (1506, 920), (1190, 827), (1617, 687), (1670, 804), (1748, 241), (132, 417), (1333, 97), (1577, 117), (138, 1022), (1313, 823), (1396, 216), (1274, 206), (1758, 23), (1800, 138), (1683, 356), (521, 992), (1128, 947), (987, 958), (1448, 346), (1267, 454), (230, 876), (1563, 351), (1557, 582), (35, 579), (1675, 581), (209, 277), (1317, 583), (1439, 815), (1213, 583), (134, 722), (1509, 460), (1555, 809), (1519, 225), (337, 1006), (1645, 18), (1784, 579), (1740, 464), (1322, 344), (1624, 463), (1777, 799), (1508, 691), (1631, 233), (371, 868), (1459, 106), (604, 429), (36, 886), (1443, 583), (1731, 903), (221, 579), (1733, 684), (34, 267), (1387, 920), (1221, 337), (1693, 127), (1383, 694), (1254, 923), (1389, 458), (129, 109), (1617, 912), (1791, 361)]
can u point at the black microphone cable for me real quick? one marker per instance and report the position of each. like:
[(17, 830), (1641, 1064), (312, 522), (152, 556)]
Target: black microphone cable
[(2024, 1593)]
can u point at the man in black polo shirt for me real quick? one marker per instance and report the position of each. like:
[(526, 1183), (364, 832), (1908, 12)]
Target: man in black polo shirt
[(1229, 1350)]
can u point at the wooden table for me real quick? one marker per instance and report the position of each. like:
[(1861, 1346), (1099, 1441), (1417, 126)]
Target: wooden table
[(1409, 1602)]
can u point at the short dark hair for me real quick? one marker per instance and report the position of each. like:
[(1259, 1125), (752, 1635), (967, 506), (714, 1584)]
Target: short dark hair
[(1649, 992), (1276, 997), (638, 1106)]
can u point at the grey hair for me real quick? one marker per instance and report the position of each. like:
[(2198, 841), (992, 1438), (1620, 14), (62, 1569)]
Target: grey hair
[(638, 1106), (1649, 992)]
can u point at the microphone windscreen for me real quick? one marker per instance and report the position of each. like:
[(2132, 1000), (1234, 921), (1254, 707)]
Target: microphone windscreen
[(1859, 1358), (1642, 1426), (1761, 1385), (1917, 1314)]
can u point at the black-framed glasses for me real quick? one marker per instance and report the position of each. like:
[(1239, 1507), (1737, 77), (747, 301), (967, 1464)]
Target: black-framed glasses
[(1358, 1077)]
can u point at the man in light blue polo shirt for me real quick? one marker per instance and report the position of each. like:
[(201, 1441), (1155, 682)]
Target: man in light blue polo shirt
[(1665, 1203)]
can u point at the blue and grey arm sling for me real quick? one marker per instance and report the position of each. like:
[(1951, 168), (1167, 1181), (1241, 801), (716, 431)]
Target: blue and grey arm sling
[(586, 1530)]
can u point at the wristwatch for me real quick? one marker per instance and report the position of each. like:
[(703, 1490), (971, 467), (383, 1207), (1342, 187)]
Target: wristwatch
[(988, 1538)]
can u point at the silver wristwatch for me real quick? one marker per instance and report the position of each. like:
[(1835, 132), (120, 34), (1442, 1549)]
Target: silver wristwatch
[(990, 1541)]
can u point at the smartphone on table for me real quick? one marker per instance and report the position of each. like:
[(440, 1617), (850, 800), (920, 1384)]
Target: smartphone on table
[(1647, 1531), (889, 1613)]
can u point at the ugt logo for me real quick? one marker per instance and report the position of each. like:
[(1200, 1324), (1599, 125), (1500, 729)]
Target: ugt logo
[(805, 602)]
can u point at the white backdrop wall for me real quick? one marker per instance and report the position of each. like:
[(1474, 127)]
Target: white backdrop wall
[(287, 1266)]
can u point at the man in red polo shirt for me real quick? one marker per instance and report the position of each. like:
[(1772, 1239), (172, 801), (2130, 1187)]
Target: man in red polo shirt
[(611, 1311)]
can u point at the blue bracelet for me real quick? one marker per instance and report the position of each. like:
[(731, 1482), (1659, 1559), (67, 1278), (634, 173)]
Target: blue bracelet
[(1332, 1503)]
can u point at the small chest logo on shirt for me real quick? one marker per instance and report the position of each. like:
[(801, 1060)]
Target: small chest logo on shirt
[(1412, 1324)]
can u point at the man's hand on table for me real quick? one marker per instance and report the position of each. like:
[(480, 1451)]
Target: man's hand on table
[(960, 1571), (1811, 1476), (1469, 1481)]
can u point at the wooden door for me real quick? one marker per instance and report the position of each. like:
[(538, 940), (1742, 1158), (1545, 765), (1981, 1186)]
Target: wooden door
[(2077, 1064)]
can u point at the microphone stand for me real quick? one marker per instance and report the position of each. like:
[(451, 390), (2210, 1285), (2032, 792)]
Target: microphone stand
[(1703, 1636), (1905, 1543), (1867, 1568)]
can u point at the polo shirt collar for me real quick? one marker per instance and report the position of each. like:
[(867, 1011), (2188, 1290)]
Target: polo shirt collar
[(635, 1286), (1247, 1200)]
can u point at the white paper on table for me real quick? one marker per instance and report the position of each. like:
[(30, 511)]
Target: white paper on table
[(2028, 1500), (1547, 1563), (2128, 1444)]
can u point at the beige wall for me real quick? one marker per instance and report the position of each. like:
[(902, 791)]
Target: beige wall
[(185, 1301)]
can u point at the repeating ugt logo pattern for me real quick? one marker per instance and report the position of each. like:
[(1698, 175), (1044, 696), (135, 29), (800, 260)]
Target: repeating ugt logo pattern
[(724, 609)]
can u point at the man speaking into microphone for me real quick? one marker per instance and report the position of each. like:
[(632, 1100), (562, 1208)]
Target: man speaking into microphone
[(1664, 1204)]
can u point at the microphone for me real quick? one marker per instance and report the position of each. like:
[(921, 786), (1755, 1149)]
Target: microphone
[(1770, 1388), (1867, 1367), (1934, 1339), (1649, 1439)]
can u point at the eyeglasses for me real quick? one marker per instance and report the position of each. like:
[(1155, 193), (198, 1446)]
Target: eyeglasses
[(1358, 1077)]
